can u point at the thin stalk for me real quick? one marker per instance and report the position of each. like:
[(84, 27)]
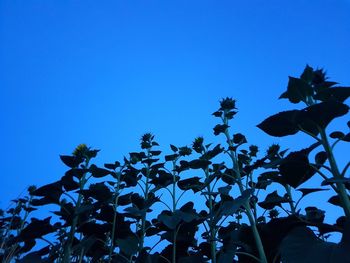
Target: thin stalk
[(248, 209), (342, 193), (111, 248), (68, 246), (211, 222), (174, 209), (146, 191), (290, 197), (256, 235)]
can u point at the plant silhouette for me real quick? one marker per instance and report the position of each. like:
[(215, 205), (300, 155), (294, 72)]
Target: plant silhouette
[(117, 213)]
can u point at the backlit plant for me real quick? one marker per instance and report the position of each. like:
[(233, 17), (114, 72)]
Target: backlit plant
[(137, 209)]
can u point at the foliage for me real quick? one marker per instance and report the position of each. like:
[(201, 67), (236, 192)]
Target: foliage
[(114, 213)]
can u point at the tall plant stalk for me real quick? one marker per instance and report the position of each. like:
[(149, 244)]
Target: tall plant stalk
[(248, 209), (342, 193), (117, 191), (67, 252), (147, 188)]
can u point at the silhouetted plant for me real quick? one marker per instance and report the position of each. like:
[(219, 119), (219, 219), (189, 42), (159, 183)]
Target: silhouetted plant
[(114, 213)]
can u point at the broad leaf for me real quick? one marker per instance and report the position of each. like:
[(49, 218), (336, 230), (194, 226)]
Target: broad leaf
[(71, 161), (302, 246), (336, 93), (297, 90), (98, 172), (272, 200), (295, 168), (280, 124)]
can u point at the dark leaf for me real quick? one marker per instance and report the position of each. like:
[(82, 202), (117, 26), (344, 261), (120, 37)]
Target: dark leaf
[(173, 148), (336, 93), (76, 172), (302, 246), (306, 191), (225, 190), (308, 74), (129, 245), (335, 180), (199, 164), (220, 128), (124, 199), (297, 90), (314, 215), (169, 219), (280, 124), (217, 114), (98, 191), (112, 166), (68, 183), (98, 172), (155, 153), (337, 135), (239, 138), (47, 190), (272, 200), (212, 153), (321, 114), (232, 206), (321, 157), (295, 168), (192, 183), (335, 200), (171, 157), (71, 161), (36, 229)]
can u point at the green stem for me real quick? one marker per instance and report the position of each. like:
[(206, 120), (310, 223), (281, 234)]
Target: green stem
[(146, 191), (289, 193), (174, 209), (211, 223), (69, 242), (342, 193), (256, 235), (111, 249), (248, 209)]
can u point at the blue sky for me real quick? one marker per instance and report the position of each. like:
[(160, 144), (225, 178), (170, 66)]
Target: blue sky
[(105, 72)]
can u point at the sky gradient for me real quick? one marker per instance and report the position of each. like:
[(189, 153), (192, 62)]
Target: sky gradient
[(105, 72)]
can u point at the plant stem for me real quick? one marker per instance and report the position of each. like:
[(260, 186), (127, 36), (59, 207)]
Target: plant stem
[(68, 246), (342, 193), (211, 222), (174, 209), (289, 193), (111, 249), (256, 235), (143, 219), (248, 211)]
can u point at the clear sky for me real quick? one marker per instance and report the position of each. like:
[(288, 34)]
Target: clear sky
[(105, 72)]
